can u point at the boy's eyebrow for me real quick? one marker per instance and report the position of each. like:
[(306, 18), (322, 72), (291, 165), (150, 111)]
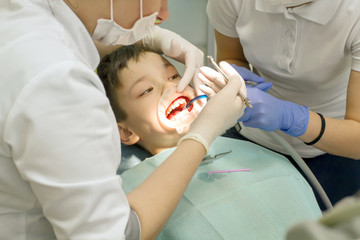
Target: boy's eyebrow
[(143, 78), (139, 80)]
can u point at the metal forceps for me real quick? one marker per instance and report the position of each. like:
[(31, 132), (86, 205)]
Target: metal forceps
[(240, 94), (209, 159)]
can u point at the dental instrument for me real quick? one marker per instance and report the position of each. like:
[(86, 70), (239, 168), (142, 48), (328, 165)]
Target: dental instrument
[(301, 163), (229, 171), (241, 95), (303, 166), (194, 99), (209, 159)]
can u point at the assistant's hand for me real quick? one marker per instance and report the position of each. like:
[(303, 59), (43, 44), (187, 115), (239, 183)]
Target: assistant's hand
[(270, 114), (176, 47), (249, 76), (221, 111)]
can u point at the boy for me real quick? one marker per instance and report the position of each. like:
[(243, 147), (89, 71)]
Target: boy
[(260, 204)]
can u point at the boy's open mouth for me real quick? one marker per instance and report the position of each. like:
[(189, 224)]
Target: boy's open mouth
[(177, 106)]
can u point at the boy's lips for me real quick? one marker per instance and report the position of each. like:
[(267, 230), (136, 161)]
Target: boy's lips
[(177, 106)]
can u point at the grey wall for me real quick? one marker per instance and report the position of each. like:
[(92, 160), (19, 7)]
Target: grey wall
[(188, 19)]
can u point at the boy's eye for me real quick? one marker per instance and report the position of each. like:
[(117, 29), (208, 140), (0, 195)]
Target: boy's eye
[(146, 91), (176, 75)]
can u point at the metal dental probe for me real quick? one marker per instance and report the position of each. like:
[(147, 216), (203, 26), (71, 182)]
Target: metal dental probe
[(240, 94)]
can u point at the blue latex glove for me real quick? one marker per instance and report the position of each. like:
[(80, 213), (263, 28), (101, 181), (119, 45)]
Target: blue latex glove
[(247, 75), (269, 114)]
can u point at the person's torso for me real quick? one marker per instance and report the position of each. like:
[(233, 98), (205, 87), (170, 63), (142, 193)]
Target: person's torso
[(307, 52), (32, 42)]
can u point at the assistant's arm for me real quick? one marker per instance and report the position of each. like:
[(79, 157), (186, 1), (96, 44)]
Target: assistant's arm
[(341, 137), (230, 50)]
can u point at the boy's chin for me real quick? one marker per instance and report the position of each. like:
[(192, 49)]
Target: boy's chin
[(182, 131), (173, 136)]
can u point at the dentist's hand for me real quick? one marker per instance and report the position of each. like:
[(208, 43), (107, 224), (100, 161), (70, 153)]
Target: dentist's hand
[(270, 114), (221, 111), (218, 82), (176, 47)]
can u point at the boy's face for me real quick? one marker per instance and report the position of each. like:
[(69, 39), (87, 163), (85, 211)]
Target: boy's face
[(143, 83)]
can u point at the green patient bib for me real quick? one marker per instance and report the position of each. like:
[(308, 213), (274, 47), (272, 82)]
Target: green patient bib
[(260, 204)]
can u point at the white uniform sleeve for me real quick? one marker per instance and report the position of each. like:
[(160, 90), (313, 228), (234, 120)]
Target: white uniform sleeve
[(355, 46), (65, 143), (223, 16)]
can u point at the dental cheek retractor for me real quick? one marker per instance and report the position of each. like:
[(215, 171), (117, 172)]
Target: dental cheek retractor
[(180, 112)]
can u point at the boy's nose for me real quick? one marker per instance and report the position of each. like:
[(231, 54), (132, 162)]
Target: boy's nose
[(169, 85)]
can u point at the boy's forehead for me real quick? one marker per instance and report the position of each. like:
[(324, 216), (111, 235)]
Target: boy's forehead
[(154, 56), (147, 63)]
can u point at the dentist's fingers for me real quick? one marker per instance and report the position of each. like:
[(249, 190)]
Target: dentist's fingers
[(186, 78), (235, 84), (212, 78), (194, 59), (230, 71), (207, 90), (197, 82), (209, 83)]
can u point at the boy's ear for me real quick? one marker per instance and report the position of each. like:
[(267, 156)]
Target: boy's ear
[(128, 137)]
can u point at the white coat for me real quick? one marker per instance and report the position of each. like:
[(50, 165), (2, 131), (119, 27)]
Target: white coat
[(59, 143)]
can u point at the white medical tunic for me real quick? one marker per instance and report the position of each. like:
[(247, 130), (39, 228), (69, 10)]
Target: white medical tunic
[(307, 52), (59, 144)]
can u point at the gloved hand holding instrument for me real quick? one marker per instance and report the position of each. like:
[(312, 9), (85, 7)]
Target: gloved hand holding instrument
[(268, 113), (221, 111)]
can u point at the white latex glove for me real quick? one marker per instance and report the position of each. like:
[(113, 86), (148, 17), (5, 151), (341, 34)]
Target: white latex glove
[(222, 110), (214, 81), (176, 47)]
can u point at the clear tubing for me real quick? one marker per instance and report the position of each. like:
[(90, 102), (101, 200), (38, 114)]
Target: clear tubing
[(301, 163)]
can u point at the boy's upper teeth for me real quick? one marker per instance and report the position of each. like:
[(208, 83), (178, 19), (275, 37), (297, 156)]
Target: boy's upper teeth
[(175, 105)]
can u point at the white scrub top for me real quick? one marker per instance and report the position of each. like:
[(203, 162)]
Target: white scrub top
[(307, 52), (59, 143)]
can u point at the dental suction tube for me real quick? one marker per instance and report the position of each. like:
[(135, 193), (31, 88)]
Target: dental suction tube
[(301, 163), (178, 111)]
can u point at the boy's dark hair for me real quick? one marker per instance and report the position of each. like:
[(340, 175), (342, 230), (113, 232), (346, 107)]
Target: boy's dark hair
[(108, 70)]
